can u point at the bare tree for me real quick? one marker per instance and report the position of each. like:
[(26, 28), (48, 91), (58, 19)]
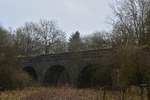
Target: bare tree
[(26, 39), (97, 40), (50, 36), (5, 38), (40, 38), (131, 16)]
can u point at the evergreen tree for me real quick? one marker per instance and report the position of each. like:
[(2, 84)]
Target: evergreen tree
[(75, 43)]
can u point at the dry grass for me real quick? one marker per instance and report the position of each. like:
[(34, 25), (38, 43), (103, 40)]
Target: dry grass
[(65, 93)]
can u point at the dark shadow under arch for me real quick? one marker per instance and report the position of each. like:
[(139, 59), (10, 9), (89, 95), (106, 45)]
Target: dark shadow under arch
[(56, 75), (85, 76), (31, 71), (94, 76)]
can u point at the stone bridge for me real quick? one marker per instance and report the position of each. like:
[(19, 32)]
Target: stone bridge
[(66, 67)]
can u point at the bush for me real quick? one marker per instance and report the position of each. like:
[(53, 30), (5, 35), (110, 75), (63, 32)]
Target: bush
[(11, 75), (11, 79), (133, 65)]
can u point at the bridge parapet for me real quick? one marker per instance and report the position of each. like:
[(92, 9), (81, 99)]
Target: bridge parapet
[(73, 55)]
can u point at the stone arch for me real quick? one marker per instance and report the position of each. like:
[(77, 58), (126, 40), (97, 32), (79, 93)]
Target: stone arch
[(85, 76), (31, 71), (92, 75), (56, 75)]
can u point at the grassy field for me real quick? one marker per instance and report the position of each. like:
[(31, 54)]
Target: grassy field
[(65, 93)]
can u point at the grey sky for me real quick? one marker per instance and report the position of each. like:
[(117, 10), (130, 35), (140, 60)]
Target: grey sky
[(71, 15)]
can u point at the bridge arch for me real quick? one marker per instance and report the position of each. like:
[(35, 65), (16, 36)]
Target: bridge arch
[(94, 75), (56, 75), (31, 71), (86, 75)]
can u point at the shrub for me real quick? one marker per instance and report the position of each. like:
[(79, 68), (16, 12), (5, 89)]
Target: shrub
[(134, 66), (11, 75)]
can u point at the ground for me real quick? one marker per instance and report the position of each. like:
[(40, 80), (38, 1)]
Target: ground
[(66, 93)]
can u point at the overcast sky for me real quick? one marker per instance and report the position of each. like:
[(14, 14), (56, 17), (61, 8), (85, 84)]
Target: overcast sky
[(85, 16)]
